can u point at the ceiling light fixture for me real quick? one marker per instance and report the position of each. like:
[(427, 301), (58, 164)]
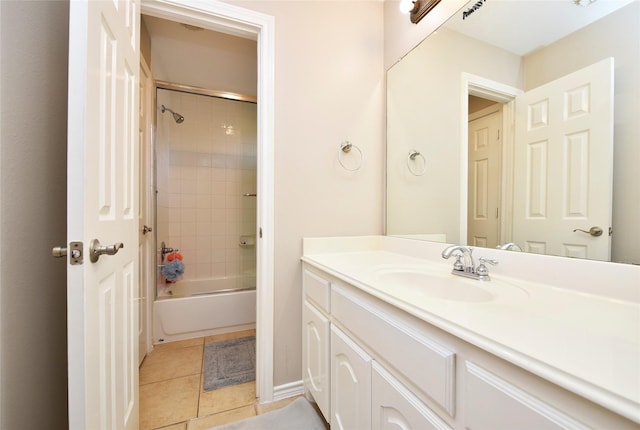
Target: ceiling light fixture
[(418, 9)]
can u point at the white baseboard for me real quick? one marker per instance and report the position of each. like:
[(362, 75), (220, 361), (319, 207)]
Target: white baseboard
[(290, 389)]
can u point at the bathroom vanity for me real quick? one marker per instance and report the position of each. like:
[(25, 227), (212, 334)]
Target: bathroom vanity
[(391, 339)]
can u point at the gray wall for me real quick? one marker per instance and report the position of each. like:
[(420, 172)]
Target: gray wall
[(33, 108)]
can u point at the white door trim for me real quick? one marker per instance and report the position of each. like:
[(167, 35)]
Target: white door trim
[(148, 199), (230, 19), (496, 91)]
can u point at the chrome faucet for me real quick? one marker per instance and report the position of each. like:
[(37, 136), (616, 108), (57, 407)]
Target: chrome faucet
[(509, 246), (469, 265), (468, 268)]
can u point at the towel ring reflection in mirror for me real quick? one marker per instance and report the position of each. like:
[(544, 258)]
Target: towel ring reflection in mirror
[(345, 148), (411, 159)]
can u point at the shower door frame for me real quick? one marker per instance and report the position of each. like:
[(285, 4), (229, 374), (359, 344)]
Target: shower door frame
[(257, 26)]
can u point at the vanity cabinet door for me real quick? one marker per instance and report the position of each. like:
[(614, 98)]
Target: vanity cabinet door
[(394, 407), (315, 356), (350, 384)]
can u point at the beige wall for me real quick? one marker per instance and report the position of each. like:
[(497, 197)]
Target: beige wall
[(401, 35), (329, 82), (33, 118)]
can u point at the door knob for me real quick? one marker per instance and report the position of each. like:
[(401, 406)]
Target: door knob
[(96, 250), (59, 251), (593, 231)]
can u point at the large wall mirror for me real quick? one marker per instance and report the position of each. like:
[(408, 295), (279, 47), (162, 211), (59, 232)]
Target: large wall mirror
[(518, 121)]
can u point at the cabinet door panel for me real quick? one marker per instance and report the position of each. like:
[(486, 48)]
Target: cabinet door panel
[(350, 384), (315, 356), (394, 407)]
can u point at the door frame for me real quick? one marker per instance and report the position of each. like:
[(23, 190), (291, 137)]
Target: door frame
[(147, 199), (233, 20), (501, 93)]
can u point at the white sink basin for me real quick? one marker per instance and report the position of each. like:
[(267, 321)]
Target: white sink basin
[(419, 283)]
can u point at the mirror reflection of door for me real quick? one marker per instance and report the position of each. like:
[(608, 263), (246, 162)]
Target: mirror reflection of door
[(563, 164), (484, 154)]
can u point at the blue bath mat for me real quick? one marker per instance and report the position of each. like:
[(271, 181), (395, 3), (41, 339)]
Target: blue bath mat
[(229, 362)]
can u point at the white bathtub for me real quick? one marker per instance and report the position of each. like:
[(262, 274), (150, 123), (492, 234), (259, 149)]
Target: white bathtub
[(203, 308)]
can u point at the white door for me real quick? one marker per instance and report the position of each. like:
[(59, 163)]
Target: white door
[(483, 216), (563, 164), (102, 204)]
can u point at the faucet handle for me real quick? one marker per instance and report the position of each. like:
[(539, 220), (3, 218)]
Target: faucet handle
[(458, 264), (488, 260), (482, 271)]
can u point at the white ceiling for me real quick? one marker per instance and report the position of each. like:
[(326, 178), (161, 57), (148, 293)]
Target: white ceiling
[(530, 24)]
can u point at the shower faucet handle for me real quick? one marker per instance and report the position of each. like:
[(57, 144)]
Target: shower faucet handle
[(164, 250)]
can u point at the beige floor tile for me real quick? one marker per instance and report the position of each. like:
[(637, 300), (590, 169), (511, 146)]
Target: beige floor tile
[(227, 336), (268, 407), (181, 426), (169, 402), (164, 364), (222, 418), (227, 398)]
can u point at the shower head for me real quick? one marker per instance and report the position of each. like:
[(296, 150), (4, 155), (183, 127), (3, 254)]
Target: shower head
[(176, 116)]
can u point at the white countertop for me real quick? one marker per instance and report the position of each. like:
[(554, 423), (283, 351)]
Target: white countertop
[(586, 343)]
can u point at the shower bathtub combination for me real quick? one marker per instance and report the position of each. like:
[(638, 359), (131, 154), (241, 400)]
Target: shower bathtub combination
[(203, 308), (206, 178)]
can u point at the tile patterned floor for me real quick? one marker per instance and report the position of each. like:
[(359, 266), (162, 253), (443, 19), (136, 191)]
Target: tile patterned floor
[(171, 394)]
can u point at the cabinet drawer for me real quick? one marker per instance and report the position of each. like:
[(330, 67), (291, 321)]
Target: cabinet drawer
[(394, 406), (316, 289), (487, 393), (425, 366)]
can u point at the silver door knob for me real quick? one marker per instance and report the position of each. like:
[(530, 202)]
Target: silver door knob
[(593, 231), (96, 250)]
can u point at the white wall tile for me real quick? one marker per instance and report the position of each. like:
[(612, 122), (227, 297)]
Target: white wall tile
[(205, 176)]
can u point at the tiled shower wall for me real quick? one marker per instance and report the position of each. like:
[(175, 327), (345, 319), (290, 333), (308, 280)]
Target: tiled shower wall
[(204, 166)]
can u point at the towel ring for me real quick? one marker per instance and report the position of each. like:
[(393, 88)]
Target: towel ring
[(346, 147), (413, 154)]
